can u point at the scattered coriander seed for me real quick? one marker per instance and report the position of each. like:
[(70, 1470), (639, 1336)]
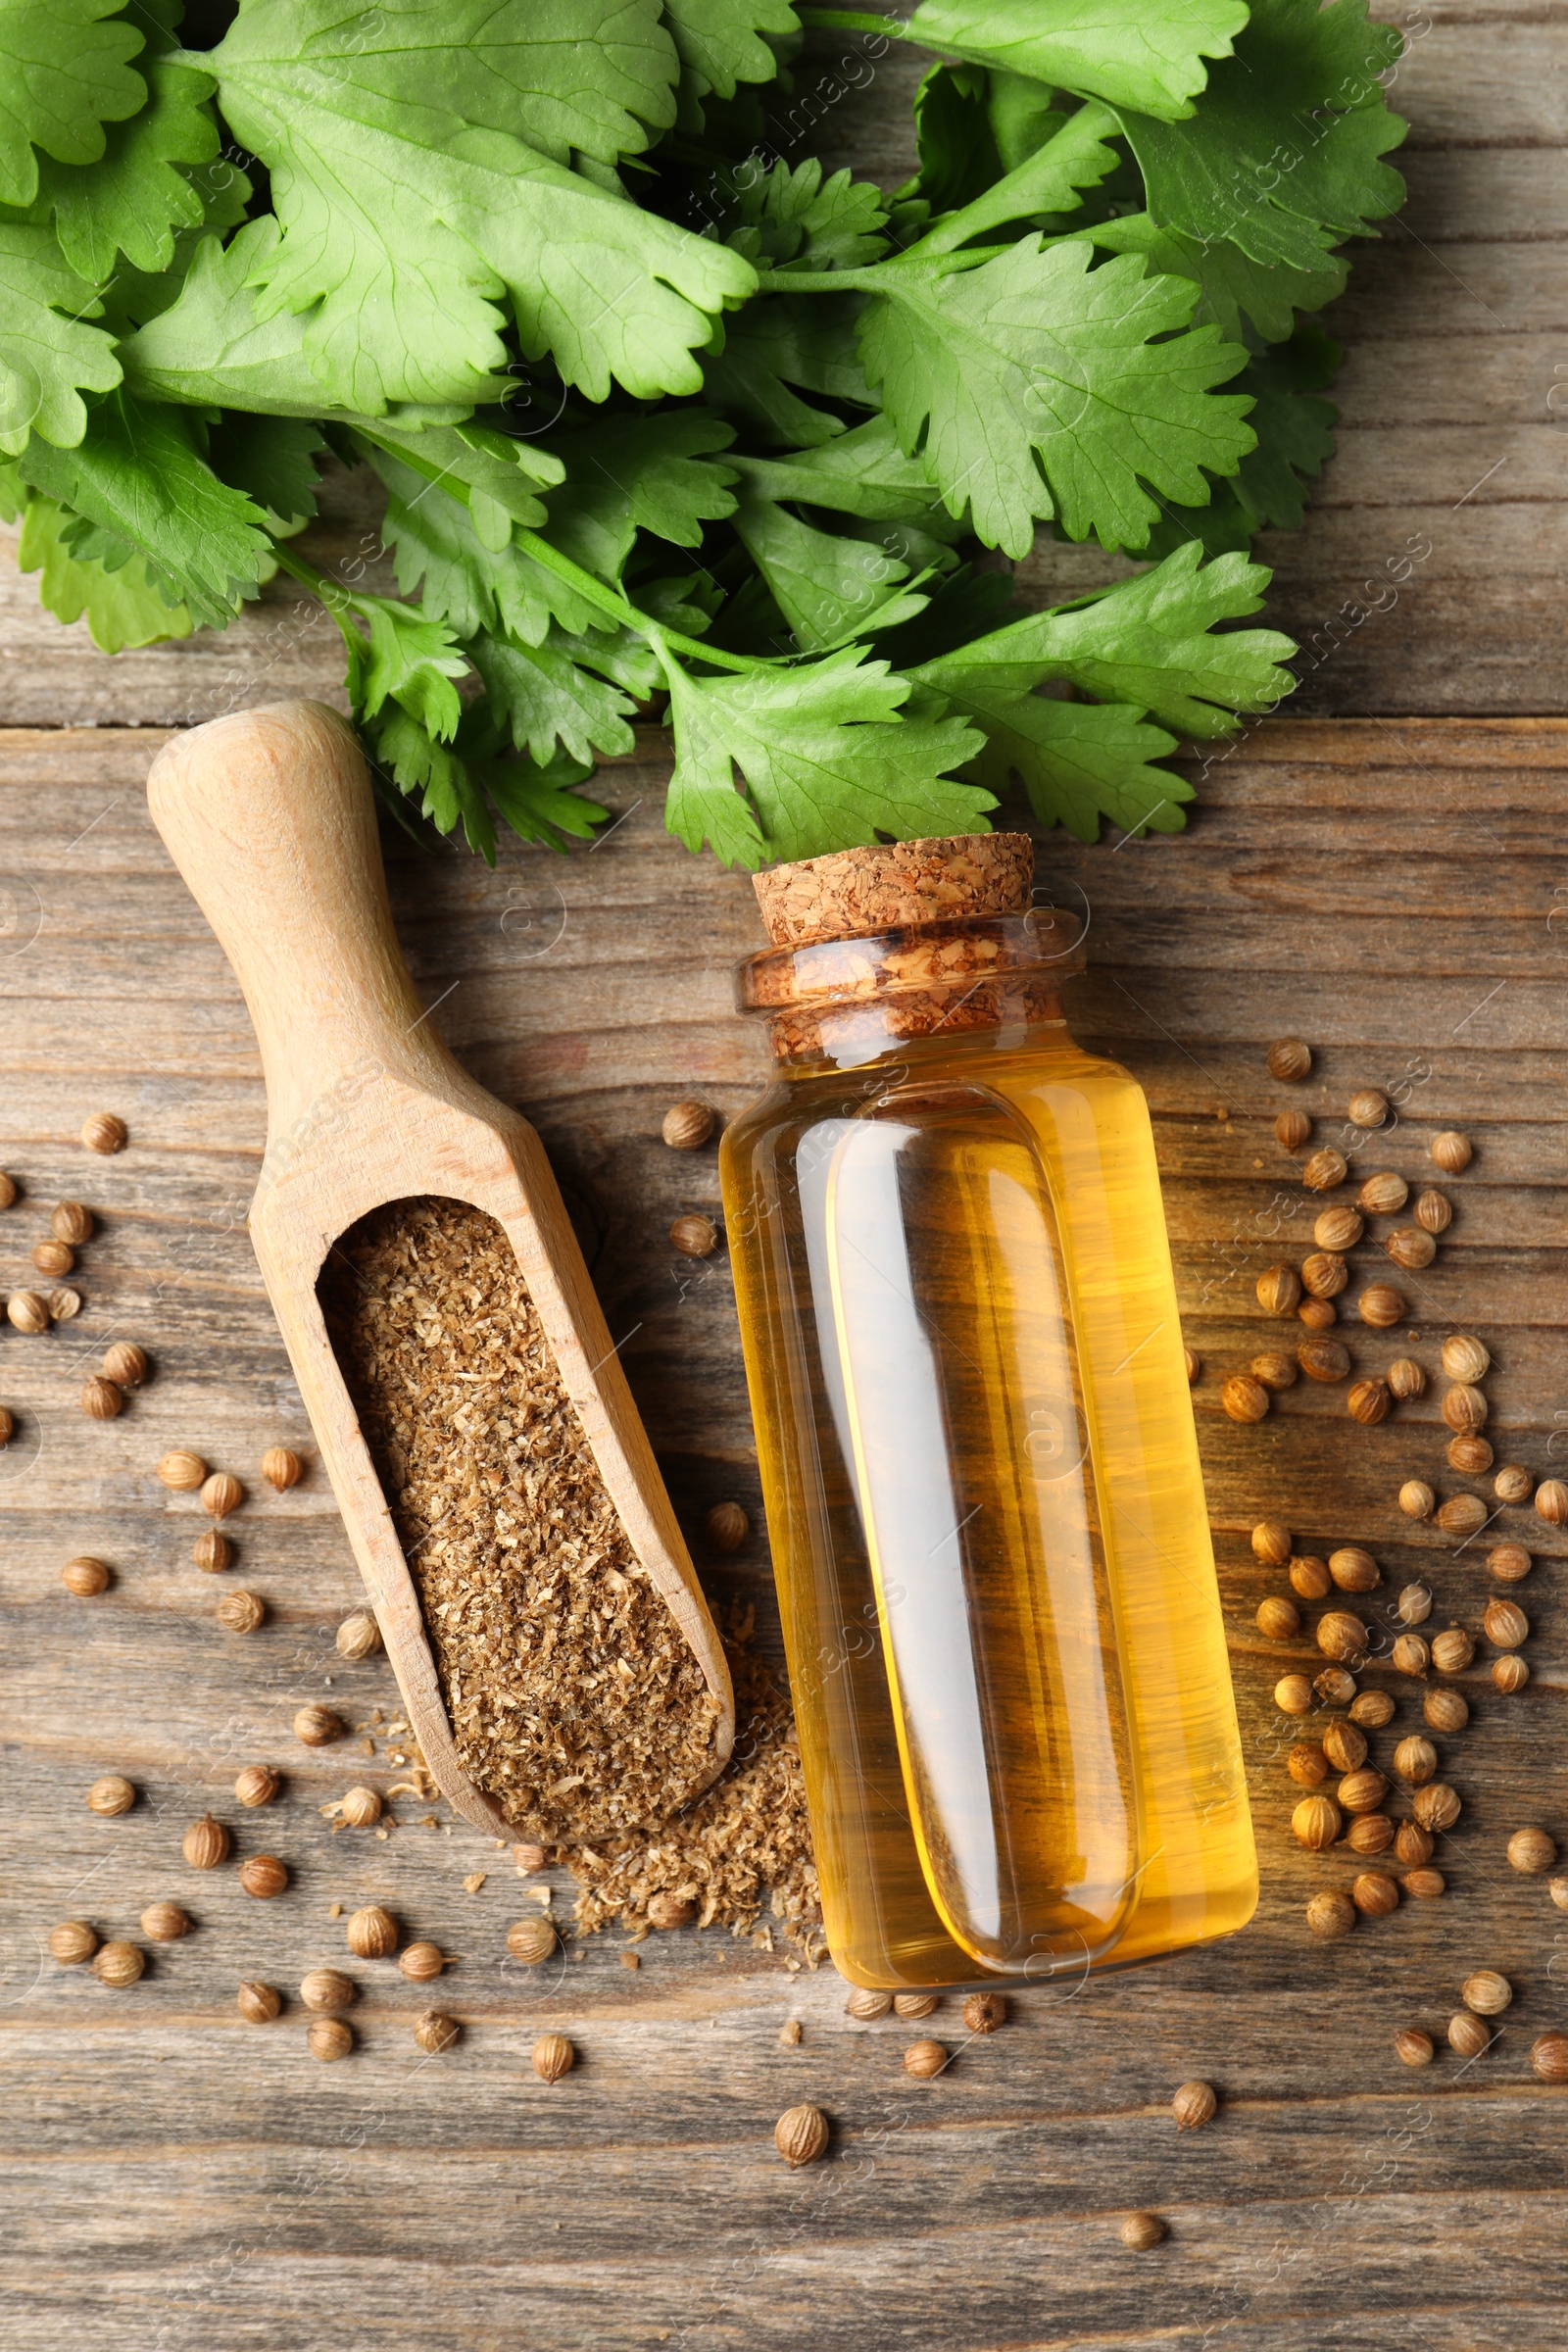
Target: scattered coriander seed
[(330, 2038), (70, 1221), (112, 1794), (1412, 1844), (358, 1636), (1339, 1228), (553, 2057), (1193, 1364), (1423, 1884), (53, 1258), (1362, 1791), (1344, 1745), (1436, 1806), (1470, 1455), (7, 1426), (27, 1312), (531, 1941), (1552, 1501), (1468, 2035), (85, 1577), (1446, 1711), (1324, 1274), (258, 2003), (1309, 1577), (1340, 1636), (372, 1934), (1369, 1833), (915, 2004), (73, 1943), (866, 2003), (1409, 1655), (1416, 1500), (105, 1132), (317, 1727), (328, 1989), (1513, 1483), (258, 1785), (529, 1857), (1291, 1129), (99, 1399), (925, 2060), (8, 1190), (1416, 1760), (1315, 1823), (1383, 1195), (1293, 1695), (1333, 1687), (1461, 1515), (686, 1126), (1510, 1673), (1372, 1710), (1375, 1895), (1413, 2047), (360, 1808), (1317, 1313), (1532, 1852), (119, 1963), (694, 1236), (1414, 1605), (1435, 1211), (164, 1923), (1549, 2057), (181, 1472), (421, 1962), (240, 1612), (264, 1876), (1465, 1359), (672, 1910), (1331, 1915), (1324, 1359), (1368, 1106), (213, 1551), (64, 1305), (1271, 1544), (1368, 1401), (435, 2032), (1354, 1570), (1243, 1398), (1464, 1408), (1405, 1379), (726, 1527), (206, 1843), (1290, 1059), (1558, 1891), (1278, 1289), (1278, 1619), (282, 1468), (1194, 2106), (1381, 1306), (1452, 1152), (1325, 1169), (1504, 1623), (801, 2135), (1273, 1371), (1486, 1992), (1452, 1650), (1140, 2232), (1410, 1247), (221, 1493)]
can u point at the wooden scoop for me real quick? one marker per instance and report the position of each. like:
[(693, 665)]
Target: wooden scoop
[(269, 818)]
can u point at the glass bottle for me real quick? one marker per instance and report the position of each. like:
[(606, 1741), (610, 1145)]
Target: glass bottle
[(977, 1448)]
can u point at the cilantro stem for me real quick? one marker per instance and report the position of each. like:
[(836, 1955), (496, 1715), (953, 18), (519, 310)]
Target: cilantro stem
[(876, 276), (618, 607)]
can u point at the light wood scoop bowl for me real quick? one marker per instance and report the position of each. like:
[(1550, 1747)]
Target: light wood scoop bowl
[(269, 817)]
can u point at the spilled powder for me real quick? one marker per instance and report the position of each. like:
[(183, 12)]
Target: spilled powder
[(574, 1701)]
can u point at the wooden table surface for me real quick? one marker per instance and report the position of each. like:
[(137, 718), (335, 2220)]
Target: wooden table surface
[(1384, 884)]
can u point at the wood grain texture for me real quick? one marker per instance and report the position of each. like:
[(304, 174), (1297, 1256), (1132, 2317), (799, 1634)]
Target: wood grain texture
[(176, 2180)]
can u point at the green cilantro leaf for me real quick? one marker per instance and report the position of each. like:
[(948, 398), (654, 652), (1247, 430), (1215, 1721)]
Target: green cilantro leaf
[(47, 357), (123, 608), (863, 472), (1035, 357), (1143, 53), (1080, 762), (774, 345), (138, 475), (1148, 640), (63, 76), (466, 780), (795, 218), (135, 196), (633, 473), (1050, 180), (407, 211), (272, 459), (827, 761), (545, 698), (1295, 431), (719, 41), (478, 589), (827, 588), (408, 660), (1282, 155), (1234, 286)]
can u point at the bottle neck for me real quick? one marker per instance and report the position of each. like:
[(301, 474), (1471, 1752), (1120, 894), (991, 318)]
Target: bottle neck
[(843, 1003)]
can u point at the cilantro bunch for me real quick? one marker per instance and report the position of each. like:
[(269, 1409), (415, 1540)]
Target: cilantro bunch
[(668, 419)]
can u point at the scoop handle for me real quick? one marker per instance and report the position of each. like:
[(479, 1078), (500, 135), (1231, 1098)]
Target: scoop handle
[(269, 817)]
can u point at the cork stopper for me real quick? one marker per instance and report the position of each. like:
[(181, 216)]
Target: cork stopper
[(856, 893)]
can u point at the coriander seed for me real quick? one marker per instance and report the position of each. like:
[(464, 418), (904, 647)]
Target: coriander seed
[(1324, 1359), (1383, 1194), (64, 1303), (1464, 1408), (1410, 1247), (105, 1133), (1317, 1313), (240, 1612), (866, 2004), (1293, 1695), (1140, 2232), (1278, 1290), (1331, 1915), (1416, 1500), (672, 1910), (1325, 1169), (1486, 1992), (1468, 2035), (1423, 1884), (1416, 1760), (1532, 1852), (1504, 1624), (1271, 1544), (181, 1472), (553, 2057), (99, 1399), (1243, 1398), (264, 1876), (330, 2038), (726, 1527), (1368, 1106), (686, 1126), (1193, 1366), (1552, 1501), (1412, 1844), (1558, 1891), (360, 1808), (1354, 1570), (282, 1468), (317, 1727), (1315, 1823), (1291, 1129), (27, 1312), (1339, 1228), (1309, 1577), (126, 1364), (1414, 1605), (915, 2004), (1344, 1745), (1324, 1274), (258, 2003), (435, 2032), (1413, 2048), (1435, 1211), (85, 1577), (221, 1493), (531, 1941), (421, 1962), (1510, 1673), (1451, 1151), (1452, 1650), (372, 1934), (1362, 1791), (1333, 1687), (1372, 1710), (1307, 1765), (1409, 1655), (1340, 1636), (1194, 2106), (328, 1989), (1465, 1359), (358, 1636), (73, 1943), (1549, 2057), (8, 1190), (110, 1795), (53, 1258), (1369, 1833), (206, 1843), (119, 1963), (1290, 1059), (1471, 1456), (695, 1236), (1436, 1806), (1368, 1401), (1381, 1306), (1461, 1515), (1405, 1379), (258, 1785), (164, 1923), (1273, 1372), (1513, 1483), (1278, 1619), (1446, 1711), (212, 1551), (1375, 1895)]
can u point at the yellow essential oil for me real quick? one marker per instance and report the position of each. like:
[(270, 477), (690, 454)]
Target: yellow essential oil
[(978, 1459)]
